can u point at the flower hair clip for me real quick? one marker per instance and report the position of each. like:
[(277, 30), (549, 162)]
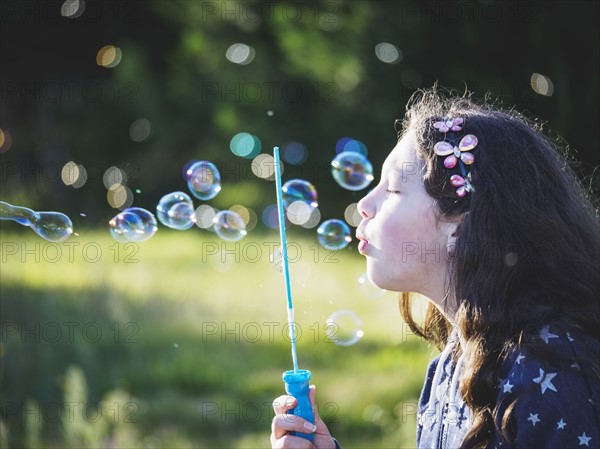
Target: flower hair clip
[(457, 154), (449, 125)]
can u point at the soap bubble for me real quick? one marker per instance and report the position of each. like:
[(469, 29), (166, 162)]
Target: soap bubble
[(52, 226), (299, 190), (334, 234), (133, 225), (368, 289), (352, 170), (344, 327), (204, 180), (176, 211), (229, 226)]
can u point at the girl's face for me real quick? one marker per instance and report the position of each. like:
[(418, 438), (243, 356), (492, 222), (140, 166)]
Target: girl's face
[(405, 245)]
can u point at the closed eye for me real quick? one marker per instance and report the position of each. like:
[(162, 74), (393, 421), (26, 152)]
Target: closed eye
[(390, 191)]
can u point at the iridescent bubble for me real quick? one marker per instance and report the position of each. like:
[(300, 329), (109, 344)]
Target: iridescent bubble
[(186, 167), (245, 145), (133, 225), (229, 226), (204, 180), (176, 211), (352, 170), (344, 328), (299, 190), (368, 289), (334, 234), (52, 226)]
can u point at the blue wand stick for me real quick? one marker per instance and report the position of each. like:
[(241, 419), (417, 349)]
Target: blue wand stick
[(296, 380)]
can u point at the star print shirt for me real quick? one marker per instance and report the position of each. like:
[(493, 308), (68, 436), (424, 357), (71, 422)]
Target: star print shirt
[(557, 404)]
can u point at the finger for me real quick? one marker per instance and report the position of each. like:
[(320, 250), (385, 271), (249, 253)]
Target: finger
[(291, 442), (311, 397), (284, 403), (284, 423)]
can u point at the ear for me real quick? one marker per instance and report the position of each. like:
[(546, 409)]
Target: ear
[(451, 230)]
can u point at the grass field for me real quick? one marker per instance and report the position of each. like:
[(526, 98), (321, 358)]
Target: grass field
[(180, 341)]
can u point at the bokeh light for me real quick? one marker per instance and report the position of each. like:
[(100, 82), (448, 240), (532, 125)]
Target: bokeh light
[(298, 212), (245, 145), (119, 196), (542, 85), (140, 130), (205, 215), (313, 220), (109, 56), (73, 174), (72, 8), (114, 175), (388, 53), (344, 327), (5, 140), (263, 166), (240, 54), (247, 215), (294, 153), (270, 216), (349, 144), (352, 215)]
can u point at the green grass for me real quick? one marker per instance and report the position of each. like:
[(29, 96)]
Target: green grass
[(192, 341)]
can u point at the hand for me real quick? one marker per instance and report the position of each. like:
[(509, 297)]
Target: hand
[(283, 424)]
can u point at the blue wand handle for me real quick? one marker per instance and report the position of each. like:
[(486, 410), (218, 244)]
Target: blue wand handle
[(297, 385)]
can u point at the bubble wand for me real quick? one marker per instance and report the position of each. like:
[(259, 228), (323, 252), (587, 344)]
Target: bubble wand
[(296, 380)]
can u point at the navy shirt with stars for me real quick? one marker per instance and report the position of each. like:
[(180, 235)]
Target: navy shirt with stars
[(557, 404)]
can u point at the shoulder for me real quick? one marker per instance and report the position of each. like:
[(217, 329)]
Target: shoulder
[(554, 391)]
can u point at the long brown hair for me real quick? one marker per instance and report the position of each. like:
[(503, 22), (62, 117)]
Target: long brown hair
[(527, 252)]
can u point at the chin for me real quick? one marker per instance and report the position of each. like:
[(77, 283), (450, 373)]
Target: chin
[(379, 278)]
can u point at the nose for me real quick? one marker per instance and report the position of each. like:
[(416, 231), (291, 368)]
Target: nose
[(366, 206)]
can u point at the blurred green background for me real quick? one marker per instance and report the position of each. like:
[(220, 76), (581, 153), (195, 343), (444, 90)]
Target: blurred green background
[(177, 341)]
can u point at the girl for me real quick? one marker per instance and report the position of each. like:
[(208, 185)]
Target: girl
[(509, 258)]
